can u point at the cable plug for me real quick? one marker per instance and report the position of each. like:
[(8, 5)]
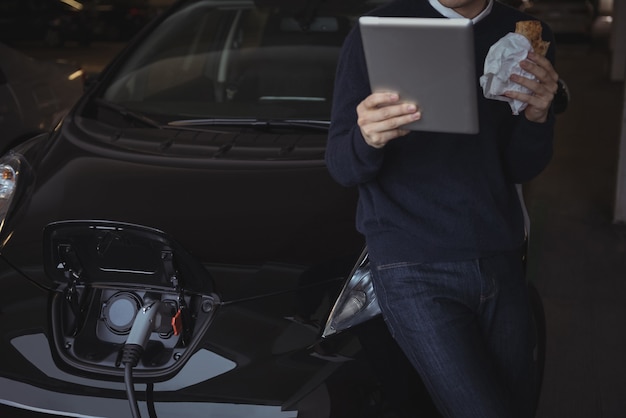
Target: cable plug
[(149, 318)]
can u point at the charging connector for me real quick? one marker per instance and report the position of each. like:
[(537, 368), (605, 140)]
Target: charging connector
[(146, 321), (153, 316)]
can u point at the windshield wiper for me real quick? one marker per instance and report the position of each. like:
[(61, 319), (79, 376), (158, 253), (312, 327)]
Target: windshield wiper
[(127, 113), (322, 125)]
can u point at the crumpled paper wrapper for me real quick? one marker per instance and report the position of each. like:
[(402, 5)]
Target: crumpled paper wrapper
[(502, 60)]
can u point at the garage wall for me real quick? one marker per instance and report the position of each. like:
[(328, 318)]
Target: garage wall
[(618, 72), (618, 41)]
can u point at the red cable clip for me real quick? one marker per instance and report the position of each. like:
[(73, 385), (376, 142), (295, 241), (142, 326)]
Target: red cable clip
[(177, 322)]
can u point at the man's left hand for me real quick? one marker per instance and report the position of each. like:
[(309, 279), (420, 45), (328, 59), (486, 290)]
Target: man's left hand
[(543, 87)]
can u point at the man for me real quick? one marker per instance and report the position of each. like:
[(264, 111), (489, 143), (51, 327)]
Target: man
[(442, 219)]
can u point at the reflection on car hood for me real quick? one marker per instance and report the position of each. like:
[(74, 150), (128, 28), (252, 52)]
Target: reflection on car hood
[(248, 212)]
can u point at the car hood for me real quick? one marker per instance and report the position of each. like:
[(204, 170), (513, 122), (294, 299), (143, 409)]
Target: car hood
[(263, 221)]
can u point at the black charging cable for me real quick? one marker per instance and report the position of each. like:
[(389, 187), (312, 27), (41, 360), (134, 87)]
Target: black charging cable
[(150, 400), (130, 390), (147, 320)]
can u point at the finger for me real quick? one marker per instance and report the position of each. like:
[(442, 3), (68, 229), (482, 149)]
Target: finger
[(539, 97), (367, 115), (538, 107), (543, 89), (402, 112), (380, 99), (382, 138), (540, 67), (378, 133), (523, 97), (539, 59), (532, 85), (374, 128)]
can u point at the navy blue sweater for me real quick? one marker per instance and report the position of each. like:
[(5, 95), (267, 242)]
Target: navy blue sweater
[(429, 197)]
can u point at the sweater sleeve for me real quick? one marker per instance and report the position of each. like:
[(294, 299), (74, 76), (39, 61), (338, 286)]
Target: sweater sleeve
[(350, 160), (531, 146), (530, 149)]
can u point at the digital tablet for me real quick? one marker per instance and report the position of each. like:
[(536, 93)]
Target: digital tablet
[(429, 61)]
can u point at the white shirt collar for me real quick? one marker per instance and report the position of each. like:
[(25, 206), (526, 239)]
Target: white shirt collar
[(447, 12)]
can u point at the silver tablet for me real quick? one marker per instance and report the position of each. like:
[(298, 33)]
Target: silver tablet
[(429, 61)]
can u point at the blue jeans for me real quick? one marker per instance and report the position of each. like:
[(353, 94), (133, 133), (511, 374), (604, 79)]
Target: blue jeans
[(467, 329)]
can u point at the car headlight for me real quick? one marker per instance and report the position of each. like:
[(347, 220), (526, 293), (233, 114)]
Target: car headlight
[(357, 301), (9, 174)]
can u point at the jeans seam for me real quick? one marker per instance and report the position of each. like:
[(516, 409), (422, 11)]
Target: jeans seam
[(492, 291), (390, 266), (381, 294)]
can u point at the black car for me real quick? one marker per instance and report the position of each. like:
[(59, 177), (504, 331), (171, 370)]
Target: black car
[(177, 247)]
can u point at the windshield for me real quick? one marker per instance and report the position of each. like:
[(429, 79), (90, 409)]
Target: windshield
[(267, 59)]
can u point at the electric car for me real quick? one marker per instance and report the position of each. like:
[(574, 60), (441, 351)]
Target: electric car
[(176, 247)]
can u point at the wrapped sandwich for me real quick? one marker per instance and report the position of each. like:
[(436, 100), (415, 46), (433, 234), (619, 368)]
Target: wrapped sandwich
[(503, 60)]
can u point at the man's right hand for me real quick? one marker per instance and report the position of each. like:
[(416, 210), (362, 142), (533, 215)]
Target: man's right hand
[(381, 116)]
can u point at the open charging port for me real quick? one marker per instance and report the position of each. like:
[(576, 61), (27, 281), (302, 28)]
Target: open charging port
[(119, 285)]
